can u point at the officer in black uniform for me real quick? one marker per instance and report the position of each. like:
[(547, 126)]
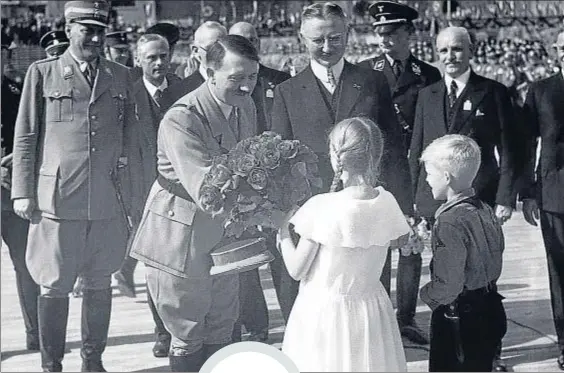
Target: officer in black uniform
[(14, 228), (406, 76), (54, 43), (117, 48)]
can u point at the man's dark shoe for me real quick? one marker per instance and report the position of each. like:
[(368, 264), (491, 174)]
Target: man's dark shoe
[(261, 336), (125, 284), (560, 361), (412, 332), (162, 346), (499, 365)]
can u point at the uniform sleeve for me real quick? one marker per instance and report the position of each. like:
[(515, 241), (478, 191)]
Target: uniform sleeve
[(185, 149), (449, 261), (30, 119), (280, 120)]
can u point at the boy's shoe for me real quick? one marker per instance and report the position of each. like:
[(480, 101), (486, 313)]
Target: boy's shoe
[(412, 332)]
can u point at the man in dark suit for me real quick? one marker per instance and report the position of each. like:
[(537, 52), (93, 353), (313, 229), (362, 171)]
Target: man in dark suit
[(329, 90), (14, 228), (468, 104), (153, 57), (406, 76), (544, 114), (204, 37), (253, 311)]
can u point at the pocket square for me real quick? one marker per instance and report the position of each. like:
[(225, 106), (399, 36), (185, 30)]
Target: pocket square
[(479, 113)]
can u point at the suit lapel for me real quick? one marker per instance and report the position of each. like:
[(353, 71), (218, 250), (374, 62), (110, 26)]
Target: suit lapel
[(468, 102), (310, 93), (219, 125), (349, 91), (144, 109), (437, 100), (104, 80), (389, 74)]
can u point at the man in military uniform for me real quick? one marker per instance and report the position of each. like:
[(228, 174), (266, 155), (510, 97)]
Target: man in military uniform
[(14, 228), (406, 76), (72, 133), (254, 312), (54, 43)]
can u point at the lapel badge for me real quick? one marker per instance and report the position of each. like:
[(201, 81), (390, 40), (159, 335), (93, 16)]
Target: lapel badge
[(467, 105), (67, 72), (479, 113), (357, 86), (269, 93), (379, 65), (416, 68), (397, 108)]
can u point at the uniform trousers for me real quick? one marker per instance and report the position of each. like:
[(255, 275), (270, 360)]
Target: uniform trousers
[(253, 311), (552, 226), (482, 325), (59, 250), (196, 311)]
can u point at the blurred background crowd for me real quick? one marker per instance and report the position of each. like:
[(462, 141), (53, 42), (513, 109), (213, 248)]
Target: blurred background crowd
[(509, 34)]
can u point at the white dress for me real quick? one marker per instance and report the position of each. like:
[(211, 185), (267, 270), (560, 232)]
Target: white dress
[(342, 319)]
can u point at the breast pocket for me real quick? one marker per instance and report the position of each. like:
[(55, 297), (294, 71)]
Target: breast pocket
[(59, 106)]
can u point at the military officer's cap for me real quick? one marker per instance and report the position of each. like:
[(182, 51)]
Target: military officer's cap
[(117, 39), (54, 42), (8, 42), (391, 13), (88, 12), (168, 30)]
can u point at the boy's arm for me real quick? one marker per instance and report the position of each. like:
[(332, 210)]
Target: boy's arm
[(449, 261)]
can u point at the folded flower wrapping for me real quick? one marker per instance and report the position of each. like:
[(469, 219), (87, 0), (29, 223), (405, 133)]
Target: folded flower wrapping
[(418, 239), (258, 181)]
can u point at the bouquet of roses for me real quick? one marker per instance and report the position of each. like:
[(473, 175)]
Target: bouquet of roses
[(418, 239), (255, 184)]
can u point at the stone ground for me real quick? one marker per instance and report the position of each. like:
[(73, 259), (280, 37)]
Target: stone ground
[(529, 345)]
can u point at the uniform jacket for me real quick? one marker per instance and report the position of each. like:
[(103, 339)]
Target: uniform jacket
[(299, 112), (263, 94), (483, 112), (148, 115), (181, 88), (69, 138), (11, 94), (415, 76), (174, 234), (544, 115)]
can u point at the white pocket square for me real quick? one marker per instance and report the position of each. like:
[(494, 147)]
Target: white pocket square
[(479, 113)]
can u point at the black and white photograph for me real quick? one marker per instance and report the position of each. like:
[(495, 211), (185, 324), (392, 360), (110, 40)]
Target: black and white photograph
[(303, 185)]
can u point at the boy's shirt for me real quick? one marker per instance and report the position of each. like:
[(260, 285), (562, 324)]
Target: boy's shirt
[(467, 245)]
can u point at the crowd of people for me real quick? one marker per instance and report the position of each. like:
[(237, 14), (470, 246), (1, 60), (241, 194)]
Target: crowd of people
[(104, 151)]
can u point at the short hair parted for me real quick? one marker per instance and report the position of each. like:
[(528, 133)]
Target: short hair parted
[(147, 38), (323, 11), (457, 154), (232, 43), (358, 145)]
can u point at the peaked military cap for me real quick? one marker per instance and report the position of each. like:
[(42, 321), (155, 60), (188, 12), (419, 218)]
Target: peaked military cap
[(390, 12), (168, 30), (117, 39), (54, 42), (88, 12)]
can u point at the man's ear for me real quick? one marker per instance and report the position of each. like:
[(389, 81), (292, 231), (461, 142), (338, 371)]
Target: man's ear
[(68, 30), (210, 72)]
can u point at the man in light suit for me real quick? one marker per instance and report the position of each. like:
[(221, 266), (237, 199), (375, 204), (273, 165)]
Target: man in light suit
[(175, 235), (468, 104), (406, 76), (544, 116), (72, 134), (329, 90), (254, 312), (153, 58), (204, 37)]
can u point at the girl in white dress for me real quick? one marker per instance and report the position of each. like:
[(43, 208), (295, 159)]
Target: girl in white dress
[(342, 319)]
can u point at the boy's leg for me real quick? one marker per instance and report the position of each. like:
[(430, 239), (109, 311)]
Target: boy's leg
[(442, 354)]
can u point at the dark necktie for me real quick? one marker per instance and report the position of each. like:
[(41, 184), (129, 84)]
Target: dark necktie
[(234, 122), (397, 68), (331, 79), (158, 97), (90, 74), (452, 94)]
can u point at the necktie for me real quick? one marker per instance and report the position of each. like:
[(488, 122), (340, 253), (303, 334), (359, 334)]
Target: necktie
[(158, 97), (452, 93), (397, 67), (234, 122), (331, 80), (90, 74)]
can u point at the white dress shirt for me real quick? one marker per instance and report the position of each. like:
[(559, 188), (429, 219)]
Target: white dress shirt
[(320, 73), (461, 82)]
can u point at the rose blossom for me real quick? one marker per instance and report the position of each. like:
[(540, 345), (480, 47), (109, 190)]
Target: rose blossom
[(211, 198), (258, 178), (219, 175)]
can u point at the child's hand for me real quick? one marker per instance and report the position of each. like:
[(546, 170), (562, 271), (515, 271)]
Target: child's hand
[(284, 231)]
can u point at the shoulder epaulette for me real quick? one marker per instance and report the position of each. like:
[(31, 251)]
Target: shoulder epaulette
[(48, 59)]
